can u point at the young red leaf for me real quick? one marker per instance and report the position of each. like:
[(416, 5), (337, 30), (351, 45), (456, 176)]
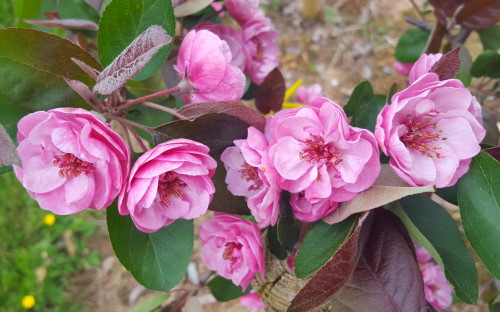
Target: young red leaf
[(86, 68), (65, 23), (8, 153), (132, 60), (83, 90), (271, 93), (448, 66), (387, 188), (473, 15)]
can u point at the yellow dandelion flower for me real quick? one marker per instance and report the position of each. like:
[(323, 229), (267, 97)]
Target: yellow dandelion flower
[(49, 219), (28, 302)]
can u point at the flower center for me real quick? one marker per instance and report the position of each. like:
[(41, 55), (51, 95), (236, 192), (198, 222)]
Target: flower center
[(259, 54), (72, 166), (316, 150), (249, 173), (232, 252), (421, 135), (169, 185)]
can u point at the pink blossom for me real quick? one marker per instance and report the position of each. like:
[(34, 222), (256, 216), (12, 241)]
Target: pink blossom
[(402, 68), (306, 95), (168, 182), (311, 210), (250, 174), (252, 301), (431, 131), (423, 256), (438, 291), (217, 7), (71, 160), (316, 152), (422, 66), (232, 247), (290, 261), (206, 73), (242, 10)]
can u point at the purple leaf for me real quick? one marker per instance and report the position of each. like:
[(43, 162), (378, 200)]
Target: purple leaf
[(83, 90), (8, 153), (132, 60), (86, 68), (271, 93), (471, 14), (387, 277), (65, 23), (448, 66)]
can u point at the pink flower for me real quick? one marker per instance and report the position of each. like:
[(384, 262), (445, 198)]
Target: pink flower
[(250, 174), (423, 256), (316, 152), (252, 301), (232, 247), (71, 160), (217, 7), (205, 70), (438, 291), (168, 182), (261, 47), (242, 10), (311, 210), (402, 68), (306, 95), (431, 131), (422, 66)]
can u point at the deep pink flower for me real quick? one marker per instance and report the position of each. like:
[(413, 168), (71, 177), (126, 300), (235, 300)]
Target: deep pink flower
[(306, 95), (431, 131), (232, 247), (402, 68), (438, 291), (250, 174), (252, 301), (316, 152), (71, 160), (311, 210), (423, 256), (204, 65), (242, 10), (169, 182), (422, 66)]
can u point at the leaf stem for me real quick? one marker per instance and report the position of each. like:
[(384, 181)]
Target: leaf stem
[(131, 103), (128, 122), (127, 136), (165, 109), (138, 138)]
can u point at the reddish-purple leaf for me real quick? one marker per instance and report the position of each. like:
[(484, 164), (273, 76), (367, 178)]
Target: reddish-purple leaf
[(83, 90), (86, 68), (132, 60), (387, 277), (494, 152), (271, 93), (248, 115), (65, 23), (8, 153), (335, 273), (448, 66), (471, 14)]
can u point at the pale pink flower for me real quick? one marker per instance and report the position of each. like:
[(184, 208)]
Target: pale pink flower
[(402, 68), (250, 174), (306, 95), (204, 66), (232, 247), (422, 66), (431, 131), (252, 301), (169, 182), (71, 160), (316, 152), (438, 292), (242, 10), (423, 256), (311, 210)]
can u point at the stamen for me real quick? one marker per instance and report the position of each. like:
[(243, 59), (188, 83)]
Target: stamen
[(72, 166), (317, 150), (421, 135), (228, 251), (249, 173), (170, 185)]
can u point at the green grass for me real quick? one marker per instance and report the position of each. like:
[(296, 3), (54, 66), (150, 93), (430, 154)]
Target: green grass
[(34, 258)]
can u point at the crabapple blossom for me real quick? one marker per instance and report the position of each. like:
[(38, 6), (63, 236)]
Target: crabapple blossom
[(204, 66), (232, 247), (431, 131), (242, 10), (252, 301), (422, 66), (438, 292), (316, 152), (250, 174), (402, 68), (169, 182), (71, 160), (306, 95), (311, 210)]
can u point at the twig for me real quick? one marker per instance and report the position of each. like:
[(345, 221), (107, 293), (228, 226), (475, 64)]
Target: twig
[(128, 122), (420, 24), (131, 103), (138, 139), (415, 6), (169, 110), (127, 136)]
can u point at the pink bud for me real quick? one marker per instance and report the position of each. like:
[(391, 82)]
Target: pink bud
[(252, 301), (402, 68), (306, 95), (422, 66), (438, 292)]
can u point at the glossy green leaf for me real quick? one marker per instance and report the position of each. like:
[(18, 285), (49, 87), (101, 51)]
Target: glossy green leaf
[(157, 260), (435, 229), (32, 66), (364, 106), (449, 194), (487, 64), (490, 37), (320, 243), (150, 304), (411, 45), (479, 202), (124, 20), (224, 290), (274, 245)]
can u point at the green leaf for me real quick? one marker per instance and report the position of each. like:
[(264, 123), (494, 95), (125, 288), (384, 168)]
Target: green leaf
[(274, 245), (157, 260), (32, 66), (319, 245), (411, 44), (465, 65), (26, 9), (224, 290), (364, 106), (490, 37), (478, 199), (487, 64), (435, 229), (449, 194), (495, 304), (124, 20), (150, 304)]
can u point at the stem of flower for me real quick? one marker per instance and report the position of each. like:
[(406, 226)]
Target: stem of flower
[(127, 136), (138, 139), (131, 103), (169, 110)]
